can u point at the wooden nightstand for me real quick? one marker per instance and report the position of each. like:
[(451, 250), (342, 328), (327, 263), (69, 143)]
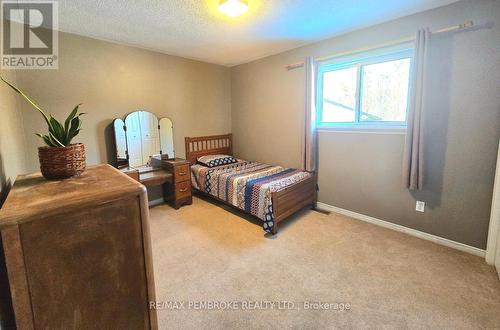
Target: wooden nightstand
[(179, 192)]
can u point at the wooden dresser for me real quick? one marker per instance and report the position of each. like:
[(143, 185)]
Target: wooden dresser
[(78, 252)]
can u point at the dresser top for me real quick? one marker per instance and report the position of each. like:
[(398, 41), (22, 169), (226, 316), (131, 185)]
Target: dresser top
[(33, 196)]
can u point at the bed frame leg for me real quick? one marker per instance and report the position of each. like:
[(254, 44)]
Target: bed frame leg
[(275, 228)]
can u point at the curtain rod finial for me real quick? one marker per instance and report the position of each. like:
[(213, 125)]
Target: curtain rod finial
[(467, 24), (294, 66)]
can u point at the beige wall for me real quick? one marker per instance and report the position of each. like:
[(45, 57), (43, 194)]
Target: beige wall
[(361, 172), (112, 80), (264, 105), (12, 140)]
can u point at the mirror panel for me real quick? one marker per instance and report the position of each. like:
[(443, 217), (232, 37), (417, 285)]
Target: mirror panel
[(120, 138), (120, 142), (141, 136), (167, 137), (149, 135), (134, 143)]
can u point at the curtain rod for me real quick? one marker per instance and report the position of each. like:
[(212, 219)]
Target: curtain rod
[(462, 26)]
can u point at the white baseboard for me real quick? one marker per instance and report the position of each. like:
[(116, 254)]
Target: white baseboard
[(155, 202), (428, 237)]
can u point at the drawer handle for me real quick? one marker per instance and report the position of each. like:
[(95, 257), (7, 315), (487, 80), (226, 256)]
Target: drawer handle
[(182, 173), (183, 190)]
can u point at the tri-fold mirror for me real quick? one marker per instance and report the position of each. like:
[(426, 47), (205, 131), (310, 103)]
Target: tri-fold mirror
[(141, 136)]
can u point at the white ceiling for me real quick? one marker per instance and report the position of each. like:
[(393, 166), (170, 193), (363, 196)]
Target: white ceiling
[(194, 28)]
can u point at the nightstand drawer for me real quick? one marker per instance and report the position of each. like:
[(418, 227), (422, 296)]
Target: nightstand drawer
[(182, 189), (181, 173)]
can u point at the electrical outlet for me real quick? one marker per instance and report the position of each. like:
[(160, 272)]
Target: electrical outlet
[(420, 206)]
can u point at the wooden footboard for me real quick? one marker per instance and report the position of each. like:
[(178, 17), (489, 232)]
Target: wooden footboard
[(291, 199)]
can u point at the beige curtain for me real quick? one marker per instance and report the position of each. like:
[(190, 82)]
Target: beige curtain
[(413, 161), (309, 151)]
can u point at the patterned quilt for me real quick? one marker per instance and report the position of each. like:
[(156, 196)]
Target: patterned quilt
[(247, 185)]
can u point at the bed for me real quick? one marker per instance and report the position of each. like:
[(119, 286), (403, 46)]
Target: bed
[(270, 193)]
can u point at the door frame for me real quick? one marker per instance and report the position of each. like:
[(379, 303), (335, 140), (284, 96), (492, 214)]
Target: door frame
[(493, 246)]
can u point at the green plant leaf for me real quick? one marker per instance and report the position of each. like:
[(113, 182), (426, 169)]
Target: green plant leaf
[(74, 129), (46, 139), (70, 117), (58, 130), (75, 133), (28, 99), (56, 142), (59, 135)]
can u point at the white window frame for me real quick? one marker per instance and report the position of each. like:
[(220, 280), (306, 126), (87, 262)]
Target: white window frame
[(372, 57)]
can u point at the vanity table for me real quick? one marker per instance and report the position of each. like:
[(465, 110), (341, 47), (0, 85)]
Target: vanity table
[(145, 152), (153, 176), (131, 172), (173, 174)]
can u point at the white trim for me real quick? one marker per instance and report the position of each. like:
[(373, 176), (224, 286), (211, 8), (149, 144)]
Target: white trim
[(416, 233), (494, 229), (363, 130), (155, 202)]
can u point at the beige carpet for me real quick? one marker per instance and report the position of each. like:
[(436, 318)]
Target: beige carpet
[(205, 252)]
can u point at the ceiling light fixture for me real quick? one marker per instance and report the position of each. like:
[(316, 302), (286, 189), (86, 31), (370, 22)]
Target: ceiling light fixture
[(233, 8)]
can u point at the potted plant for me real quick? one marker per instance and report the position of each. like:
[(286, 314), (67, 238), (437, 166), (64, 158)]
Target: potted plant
[(60, 158)]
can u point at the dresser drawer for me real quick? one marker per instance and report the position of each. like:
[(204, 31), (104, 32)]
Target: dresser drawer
[(181, 173), (182, 189)]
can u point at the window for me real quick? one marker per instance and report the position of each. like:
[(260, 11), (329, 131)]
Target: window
[(371, 92)]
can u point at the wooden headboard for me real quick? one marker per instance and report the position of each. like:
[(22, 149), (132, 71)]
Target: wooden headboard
[(208, 145)]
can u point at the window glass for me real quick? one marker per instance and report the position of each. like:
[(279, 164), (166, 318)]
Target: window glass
[(384, 87), (339, 95), (369, 92)]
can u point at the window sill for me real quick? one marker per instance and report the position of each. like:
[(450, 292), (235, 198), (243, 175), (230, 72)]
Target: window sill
[(399, 130)]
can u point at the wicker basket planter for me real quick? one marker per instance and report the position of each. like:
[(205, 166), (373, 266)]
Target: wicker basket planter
[(62, 162)]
